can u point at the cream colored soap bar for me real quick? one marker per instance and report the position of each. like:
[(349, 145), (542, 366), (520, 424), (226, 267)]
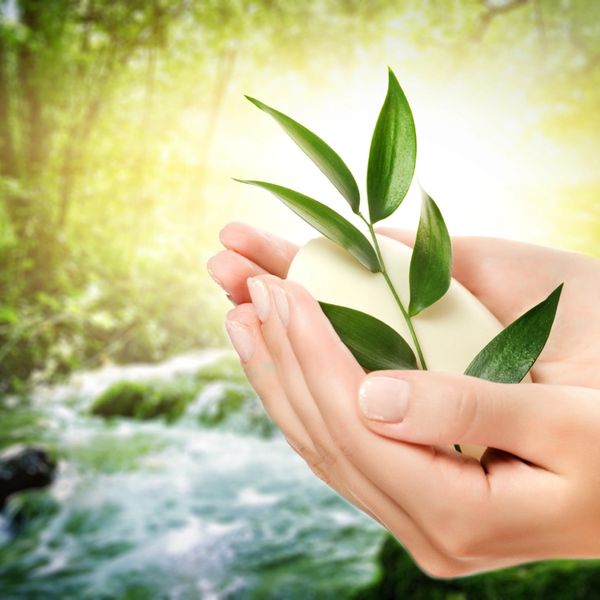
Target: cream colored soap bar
[(451, 332)]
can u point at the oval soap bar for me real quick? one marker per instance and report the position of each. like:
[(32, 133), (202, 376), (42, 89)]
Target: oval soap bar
[(451, 332)]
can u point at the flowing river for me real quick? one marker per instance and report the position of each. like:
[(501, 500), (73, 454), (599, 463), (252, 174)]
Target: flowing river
[(148, 509)]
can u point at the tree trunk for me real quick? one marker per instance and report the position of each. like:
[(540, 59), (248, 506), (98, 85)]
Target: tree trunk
[(35, 133), (8, 163)]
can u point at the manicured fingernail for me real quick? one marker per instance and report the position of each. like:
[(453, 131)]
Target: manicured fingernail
[(281, 304), (260, 297), (384, 398), (242, 339), (211, 272)]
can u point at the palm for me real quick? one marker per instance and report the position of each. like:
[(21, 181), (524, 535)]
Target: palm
[(511, 277), (508, 277)]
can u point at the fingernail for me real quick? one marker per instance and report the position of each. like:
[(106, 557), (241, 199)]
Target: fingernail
[(384, 398), (281, 304), (212, 274), (260, 297), (241, 338)]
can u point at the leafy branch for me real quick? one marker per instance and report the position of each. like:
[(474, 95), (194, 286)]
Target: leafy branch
[(392, 159)]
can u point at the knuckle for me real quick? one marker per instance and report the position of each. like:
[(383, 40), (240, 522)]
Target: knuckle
[(343, 441), (324, 458)]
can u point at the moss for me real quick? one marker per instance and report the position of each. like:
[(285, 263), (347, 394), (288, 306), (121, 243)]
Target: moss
[(145, 400), (235, 407), (399, 577)]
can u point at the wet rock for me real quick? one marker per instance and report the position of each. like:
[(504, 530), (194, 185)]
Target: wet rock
[(23, 468)]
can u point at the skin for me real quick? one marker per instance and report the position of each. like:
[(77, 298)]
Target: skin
[(534, 495)]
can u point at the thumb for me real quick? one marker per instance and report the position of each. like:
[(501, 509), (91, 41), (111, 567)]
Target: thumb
[(529, 420)]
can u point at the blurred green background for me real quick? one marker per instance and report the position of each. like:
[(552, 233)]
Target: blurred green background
[(121, 125)]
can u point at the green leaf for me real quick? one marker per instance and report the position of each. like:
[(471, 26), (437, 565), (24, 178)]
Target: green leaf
[(431, 260), (393, 154), (510, 355), (330, 163), (327, 221), (374, 344), (8, 315)]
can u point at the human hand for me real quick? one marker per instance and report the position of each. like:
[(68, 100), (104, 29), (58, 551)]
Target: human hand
[(535, 497), (248, 252)]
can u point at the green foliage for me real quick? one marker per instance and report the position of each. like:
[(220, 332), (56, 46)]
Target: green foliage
[(100, 191), (510, 355), (328, 161), (393, 153), (221, 398), (392, 157), (431, 261), (327, 221), (141, 400), (374, 344), (561, 580)]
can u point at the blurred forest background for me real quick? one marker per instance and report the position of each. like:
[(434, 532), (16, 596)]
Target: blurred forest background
[(122, 122)]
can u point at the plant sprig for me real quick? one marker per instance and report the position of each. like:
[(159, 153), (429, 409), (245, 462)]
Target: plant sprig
[(392, 159)]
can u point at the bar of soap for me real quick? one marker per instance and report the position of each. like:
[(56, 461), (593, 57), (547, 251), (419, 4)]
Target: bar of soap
[(451, 332)]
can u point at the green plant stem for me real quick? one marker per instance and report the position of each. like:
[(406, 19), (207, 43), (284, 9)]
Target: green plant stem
[(395, 294), (399, 302)]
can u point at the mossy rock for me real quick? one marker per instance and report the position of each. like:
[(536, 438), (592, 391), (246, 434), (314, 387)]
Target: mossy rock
[(399, 577), (145, 400), (235, 407)]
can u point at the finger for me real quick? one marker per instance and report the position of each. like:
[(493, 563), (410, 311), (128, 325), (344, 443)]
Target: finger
[(243, 327), (437, 408), (270, 252), (230, 270), (290, 378)]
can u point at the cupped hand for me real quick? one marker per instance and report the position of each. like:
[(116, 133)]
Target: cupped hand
[(534, 497)]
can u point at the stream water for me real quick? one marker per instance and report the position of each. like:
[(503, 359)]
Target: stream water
[(146, 509)]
